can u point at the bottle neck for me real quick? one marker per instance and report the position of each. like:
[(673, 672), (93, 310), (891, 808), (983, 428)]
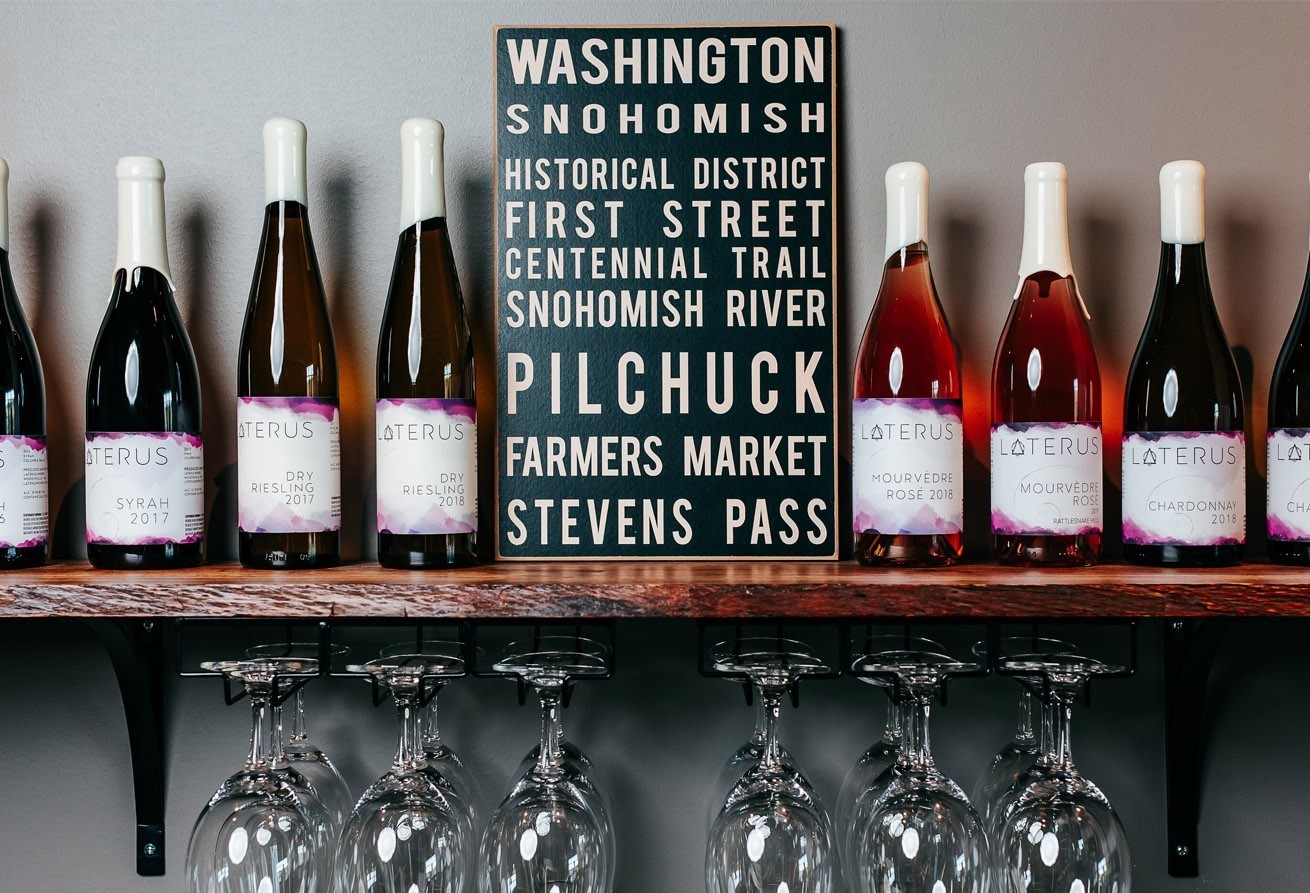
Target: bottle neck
[(142, 240), (1045, 229), (907, 213), (422, 189), (1183, 283)]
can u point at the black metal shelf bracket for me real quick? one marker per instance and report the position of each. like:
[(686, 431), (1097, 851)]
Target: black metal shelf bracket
[(135, 648), (1189, 650)]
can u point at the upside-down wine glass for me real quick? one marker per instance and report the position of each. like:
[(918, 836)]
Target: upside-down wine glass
[(551, 832), (773, 833), (410, 832), (866, 779), (921, 834), (264, 829), (1059, 832), (301, 752)]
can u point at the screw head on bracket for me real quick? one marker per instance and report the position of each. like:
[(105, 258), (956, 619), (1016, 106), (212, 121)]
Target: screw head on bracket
[(150, 849), (1181, 850)]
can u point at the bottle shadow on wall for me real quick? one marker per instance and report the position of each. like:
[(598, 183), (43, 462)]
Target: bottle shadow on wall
[(473, 230), (960, 287), (65, 397), (1245, 266), (1102, 244), (206, 314), (339, 263)]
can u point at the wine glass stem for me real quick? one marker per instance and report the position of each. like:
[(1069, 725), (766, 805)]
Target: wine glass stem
[(1061, 752), (298, 731), (894, 728), (409, 748), (1023, 734), (432, 735), (264, 735), (550, 759), (916, 748), (759, 735), (770, 698)]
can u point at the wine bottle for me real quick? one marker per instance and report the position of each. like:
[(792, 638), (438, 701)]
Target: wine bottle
[(427, 490), (24, 482), (288, 418), (1047, 506), (145, 458), (908, 452), (1288, 510), (1184, 448)]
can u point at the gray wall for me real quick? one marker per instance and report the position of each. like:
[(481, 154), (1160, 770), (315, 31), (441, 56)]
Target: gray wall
[(973, 91)]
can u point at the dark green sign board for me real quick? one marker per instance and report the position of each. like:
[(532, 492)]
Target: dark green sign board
[(666, 320)]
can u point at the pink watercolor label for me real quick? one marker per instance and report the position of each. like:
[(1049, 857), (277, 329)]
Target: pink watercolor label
[(144, 488), (1046, 479), (288, 465), (1288, 493), (1184, 488), (427, 466), (908, 466), (24, 491)]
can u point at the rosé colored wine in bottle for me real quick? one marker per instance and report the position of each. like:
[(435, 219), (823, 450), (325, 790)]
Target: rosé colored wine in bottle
[(1184, 451), (288, 416), (908, 450), (1288, 511), (427, 417), (1047, 505), (145, 460), (24, 480)]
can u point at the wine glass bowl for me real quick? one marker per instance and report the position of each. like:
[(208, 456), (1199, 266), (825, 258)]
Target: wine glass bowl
[(410, 829), (264, 828), (552, 832), (1058, 830), (772, 832), (916, 830)]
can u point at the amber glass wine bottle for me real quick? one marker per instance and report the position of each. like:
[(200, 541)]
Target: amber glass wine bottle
[(1288, 511), (1184, 451), (145, 459), (24, 481), (288, 417), (427, 491), (908, 450), (1046, 467)]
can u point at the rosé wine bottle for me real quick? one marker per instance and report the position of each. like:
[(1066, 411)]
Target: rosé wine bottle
[(1047, 506), (908, 450)]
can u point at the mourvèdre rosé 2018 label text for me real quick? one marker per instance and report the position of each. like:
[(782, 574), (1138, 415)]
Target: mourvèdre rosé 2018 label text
[(908, 461)]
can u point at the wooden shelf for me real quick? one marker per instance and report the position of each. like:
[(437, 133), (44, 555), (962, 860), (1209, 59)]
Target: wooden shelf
[(550, 590)]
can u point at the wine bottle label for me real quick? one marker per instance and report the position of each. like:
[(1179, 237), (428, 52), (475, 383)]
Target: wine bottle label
[(908, 463), (288, 465), (1046, 479), (427, 466), (1184, 489), (1289, 484), (144, 488), (24, 491)]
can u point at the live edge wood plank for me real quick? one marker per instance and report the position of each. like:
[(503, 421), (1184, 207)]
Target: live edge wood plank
[(551, 590)]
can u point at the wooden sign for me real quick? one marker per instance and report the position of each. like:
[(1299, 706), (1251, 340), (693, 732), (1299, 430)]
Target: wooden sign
[(666, 319)]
